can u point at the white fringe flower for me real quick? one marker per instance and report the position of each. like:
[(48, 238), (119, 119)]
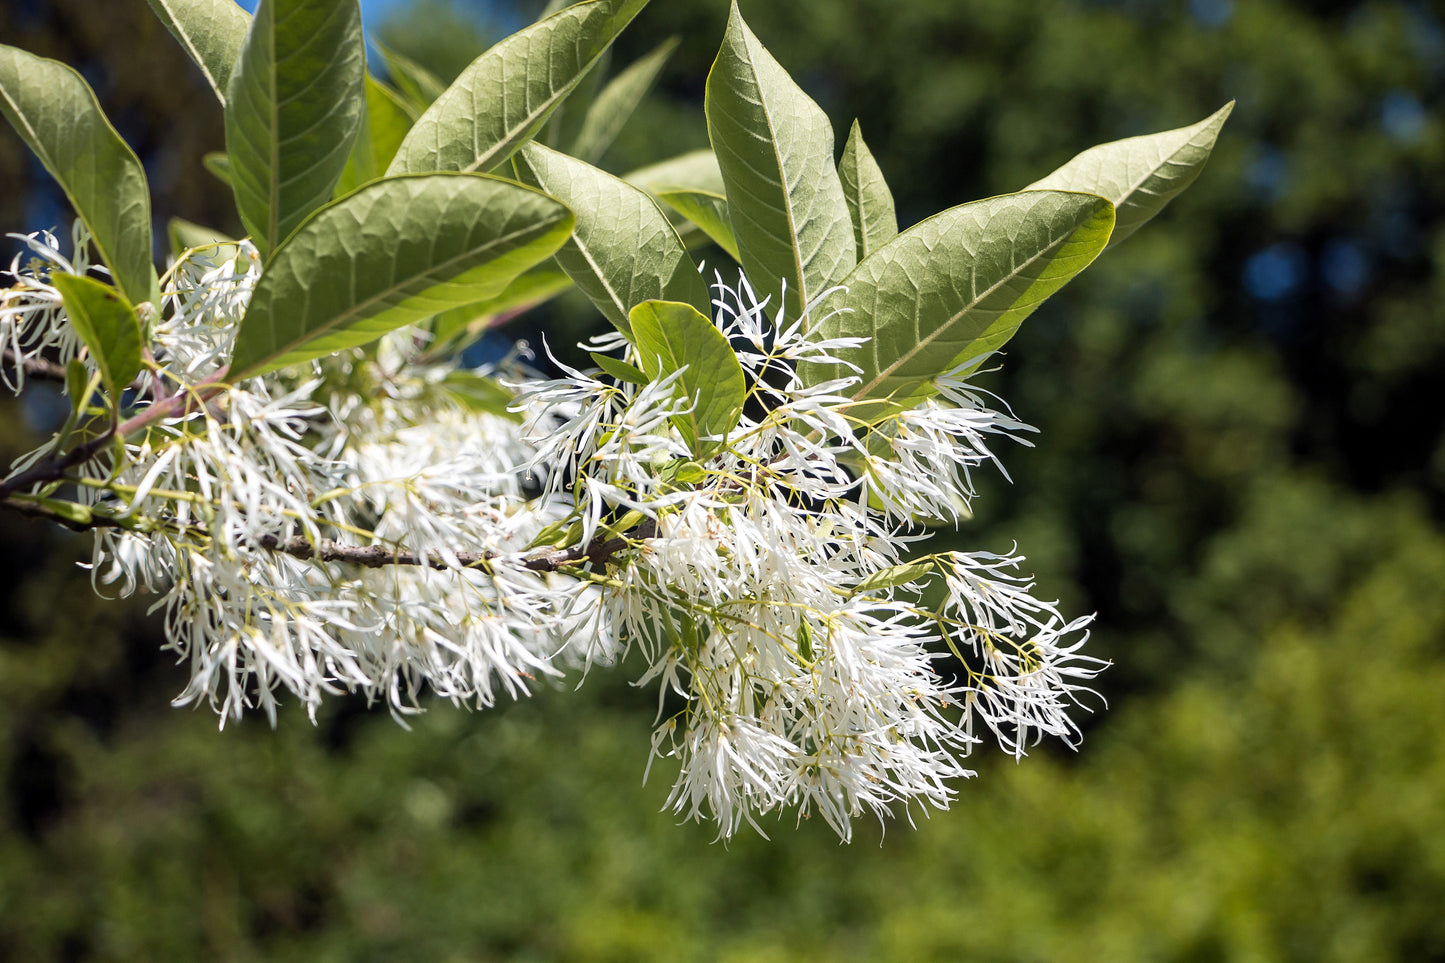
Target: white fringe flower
[(365, 527)]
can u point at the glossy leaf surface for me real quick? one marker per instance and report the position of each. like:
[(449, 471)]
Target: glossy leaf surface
[(870, 202), (211, 32), (293, 109), (956, 286), (622, 251), (1140, 175), (505, 96), (55, 112), (396, 251), (107, 324), (774, 146), (674, 337)]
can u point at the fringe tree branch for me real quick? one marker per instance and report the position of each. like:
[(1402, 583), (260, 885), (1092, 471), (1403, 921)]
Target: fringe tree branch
[(599, 551)]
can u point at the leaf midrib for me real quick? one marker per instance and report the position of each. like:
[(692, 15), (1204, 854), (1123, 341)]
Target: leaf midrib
[(312, 334), (882, 375)]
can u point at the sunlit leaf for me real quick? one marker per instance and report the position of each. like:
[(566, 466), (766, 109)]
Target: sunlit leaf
[(55, 112), (674, 337), (619, 369), (107, 324), (505, 96), (480, 393), (1140, 174), (396, 251), (211, 32), (691, 186), (293, 109), (622, 251), (185, 236), (870, 202), (894, 576), (956, 286), (775, 149), (530, 288), (218, 165)]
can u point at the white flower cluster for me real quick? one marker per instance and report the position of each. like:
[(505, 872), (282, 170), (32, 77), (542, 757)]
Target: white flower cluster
[(374, 529)]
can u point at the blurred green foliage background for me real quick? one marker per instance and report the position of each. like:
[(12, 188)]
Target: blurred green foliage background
[(1241, 470)]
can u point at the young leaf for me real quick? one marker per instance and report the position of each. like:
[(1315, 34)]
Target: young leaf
[(870, 202), (218, 165), (617, 101), (292, 112), (55, 112), (507, 94), (957, 286), (675, 337), (691, 184), (1140, 174), (396, 251), (212, 32), (107, 324), (775, 149), (894, 576), (622, 251), (384, 124), (620, 370), (77, 384), (185, 235), (420, 86)]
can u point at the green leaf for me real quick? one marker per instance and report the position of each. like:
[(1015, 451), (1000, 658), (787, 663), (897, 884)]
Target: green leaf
[(618, 369), (617, 102), (55, 112), (531, 288), (396, 251), (691, 184), (384, 124), (1140, 174), (870, 202), (622, 251), (775, 149), (77, 384), (420, 86), (219, 166), (689, 473), (805, 642), (212, 32), (67, 513), (709, 213), (292, 112), (672, 337), (505, 95), (185, 236), (107, 324), (894, 576), (956, 286), (481, 394)]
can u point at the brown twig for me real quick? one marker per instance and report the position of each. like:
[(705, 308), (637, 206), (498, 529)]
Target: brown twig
[(597, 552), (37, 368)]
